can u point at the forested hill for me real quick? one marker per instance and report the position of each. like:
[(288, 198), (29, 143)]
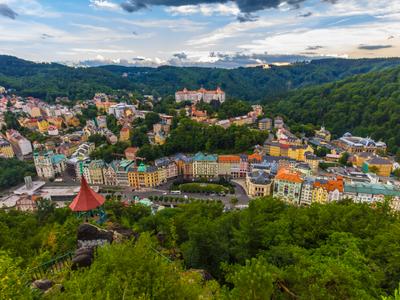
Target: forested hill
[(250, 84), (366, 104), (48, 81)]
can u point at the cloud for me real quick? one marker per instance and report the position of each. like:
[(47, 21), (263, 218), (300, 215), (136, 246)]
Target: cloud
[(180, 56), (306, 15), (245, 6), (7, 12), (373, 47), (220, 9), (247, 17), (104, 4), (311, 48)]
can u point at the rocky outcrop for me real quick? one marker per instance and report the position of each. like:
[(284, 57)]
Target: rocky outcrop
[(83, 258), (92, 236)]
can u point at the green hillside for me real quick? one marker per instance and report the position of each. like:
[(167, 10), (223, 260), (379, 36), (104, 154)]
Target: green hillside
[(48, 81), (365, 105)]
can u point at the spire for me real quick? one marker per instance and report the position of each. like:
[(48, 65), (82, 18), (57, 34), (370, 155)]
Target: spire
[(87, 199)]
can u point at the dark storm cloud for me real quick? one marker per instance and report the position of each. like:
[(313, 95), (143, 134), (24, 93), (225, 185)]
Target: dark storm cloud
[(7, 12), (374, 47), (245, 6)]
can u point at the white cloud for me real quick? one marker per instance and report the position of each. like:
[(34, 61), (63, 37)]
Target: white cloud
[(104, 4), (229, 9)]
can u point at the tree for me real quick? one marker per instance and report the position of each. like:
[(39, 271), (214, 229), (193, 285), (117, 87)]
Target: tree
[(150, 119), (344, 159)]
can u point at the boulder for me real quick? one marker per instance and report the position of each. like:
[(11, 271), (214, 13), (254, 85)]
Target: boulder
[(88, 231), (81, 261), (42, 284), (86, 251)]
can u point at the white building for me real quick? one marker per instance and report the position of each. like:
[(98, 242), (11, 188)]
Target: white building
[(201, 94), (18, 141), (49, 165)]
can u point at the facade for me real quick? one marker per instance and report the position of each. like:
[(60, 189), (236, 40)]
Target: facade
[(184, 165), (328, 190), (355, 144), (49, 165), (307, 191), (296, 152), (95, 172), (370, 192), (265, 124), (201, 94), (205, 166), (124, 134), (323, 134), (18, 141), (122, 168), (42, 125), (258, 184), (229, 165), (6, 149), (144, 176), (382, 166), (287, 186), (110, 174), (167, 164)]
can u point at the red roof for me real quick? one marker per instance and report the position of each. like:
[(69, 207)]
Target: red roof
[(87, 199)]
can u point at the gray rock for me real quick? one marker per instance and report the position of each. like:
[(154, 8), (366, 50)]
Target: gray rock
[(42, 284)]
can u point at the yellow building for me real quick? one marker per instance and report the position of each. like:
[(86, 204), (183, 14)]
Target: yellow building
[(35, 112), (72, 121), (297, 152), (379, 165), (43, 125), (143, 177), (124, 134), (319, 195), (56, 121), (6, 149), (159, 138)]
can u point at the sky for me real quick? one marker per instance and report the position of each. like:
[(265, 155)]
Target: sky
[(219, 33)]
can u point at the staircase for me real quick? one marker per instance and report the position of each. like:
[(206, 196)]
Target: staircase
[(52, 266)]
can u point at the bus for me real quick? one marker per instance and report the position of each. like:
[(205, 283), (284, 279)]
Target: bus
[(176, 192)]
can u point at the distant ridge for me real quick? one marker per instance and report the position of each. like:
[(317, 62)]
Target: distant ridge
[(49, 80)]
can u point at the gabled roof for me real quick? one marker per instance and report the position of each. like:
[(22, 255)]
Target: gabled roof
[(287, 175)]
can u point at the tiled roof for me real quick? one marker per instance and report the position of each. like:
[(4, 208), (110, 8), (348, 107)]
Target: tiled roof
[(374, 189), (229, 158), (287, 175)]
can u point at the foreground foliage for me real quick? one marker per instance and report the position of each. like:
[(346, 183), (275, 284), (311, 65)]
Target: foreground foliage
[(334, 251)]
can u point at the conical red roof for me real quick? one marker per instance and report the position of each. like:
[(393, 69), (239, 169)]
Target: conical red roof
[(87, 199)]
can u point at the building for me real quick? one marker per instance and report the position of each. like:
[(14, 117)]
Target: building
[(287, 186), (49, 165), (278, 123), (313, 161), (6, 149), (370, 192), (205, 166), (323, 134), (265, 124), (18, 141), (258, 184), (328, 190), (355, 144), (169, 165), (93, 171), (52, 130), (296, 152), (110, 174), (379, 165), (184, 165), (307, 191), (144, 176), (199, 95), (130, 153), (122, 168), (42, 125), (229, 165), (124, 134)]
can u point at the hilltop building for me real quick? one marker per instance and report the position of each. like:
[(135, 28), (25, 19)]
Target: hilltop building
[(201, 94)]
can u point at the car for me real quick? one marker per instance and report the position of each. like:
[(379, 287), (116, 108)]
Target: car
[(213, 195), (185, 196), (165, 193)]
